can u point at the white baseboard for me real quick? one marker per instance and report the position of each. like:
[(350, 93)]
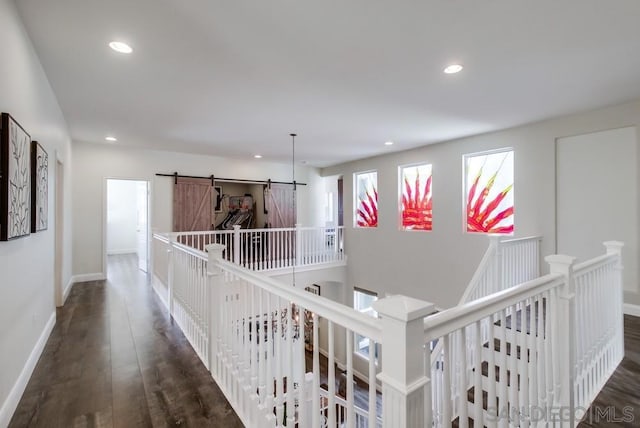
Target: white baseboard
[(156, 284), (125, 251), (66, 291), (11, 403), (630, 309), (88, 277)]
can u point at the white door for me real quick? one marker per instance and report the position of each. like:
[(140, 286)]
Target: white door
[(597, 196), (142, 228)]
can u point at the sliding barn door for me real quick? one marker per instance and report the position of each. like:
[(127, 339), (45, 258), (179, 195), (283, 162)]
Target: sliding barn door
[(279, 200), (192, 204)]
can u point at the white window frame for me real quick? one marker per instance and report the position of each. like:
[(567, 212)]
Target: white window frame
[(355, 199), (359, 339), (401, 168), (465, 190)]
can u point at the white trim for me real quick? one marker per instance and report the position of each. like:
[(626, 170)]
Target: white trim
[(343, 368), (633, 310), (125, 251), (104, 219), (304, 268), (156, 284), (66, 291), (99, 276), (11, 403)]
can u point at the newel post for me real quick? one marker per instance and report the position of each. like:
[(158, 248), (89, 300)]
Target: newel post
[(236, 244), (170, 272), (214, 275), (565, 336), (405, 386)]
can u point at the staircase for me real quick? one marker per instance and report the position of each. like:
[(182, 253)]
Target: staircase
[(503, 356), (520, 350), (526, 356)]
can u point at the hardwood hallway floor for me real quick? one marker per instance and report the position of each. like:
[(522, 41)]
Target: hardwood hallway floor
[(115, 359)]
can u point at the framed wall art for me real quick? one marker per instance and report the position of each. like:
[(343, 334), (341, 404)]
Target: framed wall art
[(39, 188), (313, 289), (15, 182), (218, 202)]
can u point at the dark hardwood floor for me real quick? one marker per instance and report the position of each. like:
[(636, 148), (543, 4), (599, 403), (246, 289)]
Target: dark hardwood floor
[(618, 404), (115, 359)]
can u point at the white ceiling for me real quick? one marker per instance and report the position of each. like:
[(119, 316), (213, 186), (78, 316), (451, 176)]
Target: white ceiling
[(234, 78)]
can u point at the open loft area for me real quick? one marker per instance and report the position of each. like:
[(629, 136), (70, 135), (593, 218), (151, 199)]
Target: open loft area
[(442, 151)]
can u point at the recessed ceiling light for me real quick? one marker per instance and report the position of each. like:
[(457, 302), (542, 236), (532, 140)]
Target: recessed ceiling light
[(453, 69), (257, 156), (121, 47), (388, 143), (111, 139)]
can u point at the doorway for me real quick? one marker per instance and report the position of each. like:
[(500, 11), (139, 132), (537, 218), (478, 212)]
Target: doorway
[(127, 221), (58, 291)]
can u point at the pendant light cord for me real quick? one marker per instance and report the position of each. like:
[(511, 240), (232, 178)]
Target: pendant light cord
[(295, 208)]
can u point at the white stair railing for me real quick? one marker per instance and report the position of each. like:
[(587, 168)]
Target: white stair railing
[(258, 354), (524, 355), (599, 331), (269, 249), (528, 355), (504, 264)]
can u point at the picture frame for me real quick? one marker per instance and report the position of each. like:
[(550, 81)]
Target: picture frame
[(15, 179), (218, 199), (313, 289), (39, 188)]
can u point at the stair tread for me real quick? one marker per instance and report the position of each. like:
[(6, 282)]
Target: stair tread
[(497, 347)]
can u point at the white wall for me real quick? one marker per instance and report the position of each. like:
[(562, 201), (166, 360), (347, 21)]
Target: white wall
[(437, 266), (92, 163), (27, 308), (597, 188), (122, 216)]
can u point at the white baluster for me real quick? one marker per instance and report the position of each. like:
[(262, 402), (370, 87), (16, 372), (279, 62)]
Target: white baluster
[(298, 236), (316, 374), (350, 404), (372, 383), (331, 378), (289, 368), (563, 265)]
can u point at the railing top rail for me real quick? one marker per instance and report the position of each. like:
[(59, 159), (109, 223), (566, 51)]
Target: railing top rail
[(518, 240), (585, 266), (267, 229), (191, 251), (202, 232), (163, 237), (335, 312), (489, 253), (460, 316)]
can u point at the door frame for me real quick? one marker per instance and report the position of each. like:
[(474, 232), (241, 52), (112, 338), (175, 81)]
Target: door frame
[(104, 219), (59, 256)]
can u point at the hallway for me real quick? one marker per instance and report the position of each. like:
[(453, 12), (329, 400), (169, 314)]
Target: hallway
[(114, 359)]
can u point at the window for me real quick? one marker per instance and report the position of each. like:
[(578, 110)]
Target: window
[(365, 199), (415, 197), (362, 301), (489, 192)]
